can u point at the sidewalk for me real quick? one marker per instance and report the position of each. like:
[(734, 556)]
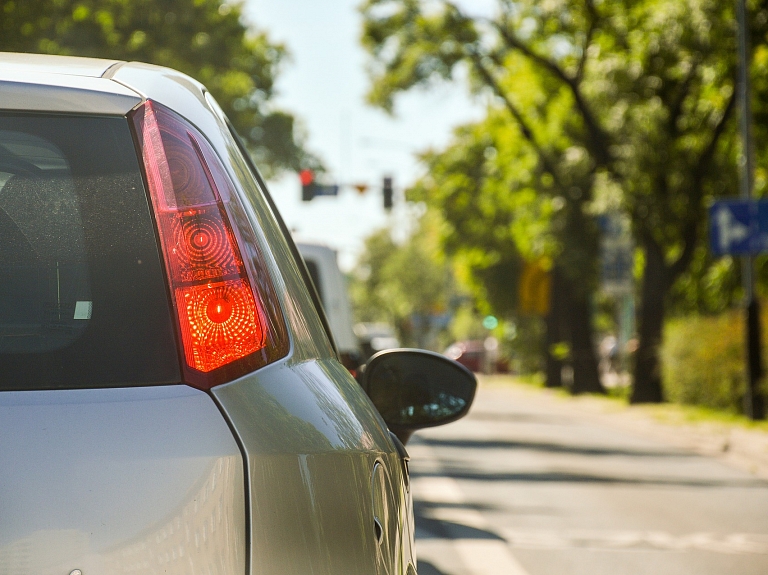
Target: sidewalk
[(733, 444)]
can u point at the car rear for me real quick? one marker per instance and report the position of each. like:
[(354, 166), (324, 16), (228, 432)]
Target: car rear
[(106, 463), (169, 399)]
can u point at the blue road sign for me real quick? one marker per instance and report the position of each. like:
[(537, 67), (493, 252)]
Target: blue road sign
[(326, 190), (738, 227)]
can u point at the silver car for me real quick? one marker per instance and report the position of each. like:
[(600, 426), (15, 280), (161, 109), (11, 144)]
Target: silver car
[(170, 396)]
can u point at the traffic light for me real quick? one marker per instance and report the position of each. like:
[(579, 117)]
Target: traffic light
[(307, 178), (311, 189), (387, 190)]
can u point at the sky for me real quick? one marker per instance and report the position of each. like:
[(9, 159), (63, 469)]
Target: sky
[(324, 85)]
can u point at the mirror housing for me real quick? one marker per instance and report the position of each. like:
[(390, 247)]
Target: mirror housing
[(414, 389)]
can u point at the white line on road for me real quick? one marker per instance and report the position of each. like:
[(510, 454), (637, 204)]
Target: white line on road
[(446, 490), (734, 543), (478, 556)]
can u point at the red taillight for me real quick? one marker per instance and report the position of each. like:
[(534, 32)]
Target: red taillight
[(226, 329)]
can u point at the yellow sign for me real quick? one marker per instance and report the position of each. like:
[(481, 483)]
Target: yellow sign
[(534, 289)]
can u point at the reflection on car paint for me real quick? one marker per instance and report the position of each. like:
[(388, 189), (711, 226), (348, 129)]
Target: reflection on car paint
[(294, 441), (134, 480), (196, 538)]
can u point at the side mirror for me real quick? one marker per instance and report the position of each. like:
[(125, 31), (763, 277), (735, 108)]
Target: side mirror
[(414, 389)]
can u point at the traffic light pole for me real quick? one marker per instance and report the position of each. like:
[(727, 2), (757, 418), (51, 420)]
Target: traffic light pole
[(387, 192), (754, 404)]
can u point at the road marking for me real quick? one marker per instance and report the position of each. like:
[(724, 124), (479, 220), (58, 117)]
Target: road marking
[(437, 489), (484, 557), (478, 556), (734, 543), (454, 552)]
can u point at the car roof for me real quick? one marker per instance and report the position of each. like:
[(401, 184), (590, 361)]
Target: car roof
[(49, 64), (43, 83)]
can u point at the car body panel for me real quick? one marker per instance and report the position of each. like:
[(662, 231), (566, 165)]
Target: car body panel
[(308, 428), (144, 479), (168, 87)]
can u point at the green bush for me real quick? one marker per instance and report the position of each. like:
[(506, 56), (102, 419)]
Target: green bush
[(703, 360)]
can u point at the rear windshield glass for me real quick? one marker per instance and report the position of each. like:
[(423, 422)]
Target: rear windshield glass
[(82, 298)]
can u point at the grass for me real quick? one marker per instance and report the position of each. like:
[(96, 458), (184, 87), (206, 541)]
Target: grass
[(692, 414), (703, 360), (618, 399)]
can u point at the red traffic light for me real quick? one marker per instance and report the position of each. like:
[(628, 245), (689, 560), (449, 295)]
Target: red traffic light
[(306, 177)]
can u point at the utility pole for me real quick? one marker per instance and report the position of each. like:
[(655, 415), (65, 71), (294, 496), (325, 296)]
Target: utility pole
[(754, 404)]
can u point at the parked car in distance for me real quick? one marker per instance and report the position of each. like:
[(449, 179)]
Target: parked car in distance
[(375, 337), (468, 353), (170, 399), (331, 286), (478, 355)]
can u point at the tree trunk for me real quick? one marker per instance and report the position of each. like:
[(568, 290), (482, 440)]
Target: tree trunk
[(646, 387), (578, 319), (554, 335), (586, 377)]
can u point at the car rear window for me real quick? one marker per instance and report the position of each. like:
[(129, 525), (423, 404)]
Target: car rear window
[(83, 302)]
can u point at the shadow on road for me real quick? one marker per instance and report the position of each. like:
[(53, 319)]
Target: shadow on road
[(464, 505), (553, 448), (571, 477), (425, 507), (440, 529), (520, 417), (426, 568)]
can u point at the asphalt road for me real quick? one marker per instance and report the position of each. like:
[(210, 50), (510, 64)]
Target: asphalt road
[(526, 485)]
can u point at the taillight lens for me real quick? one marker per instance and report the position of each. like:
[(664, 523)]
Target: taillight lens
[(228, 316)]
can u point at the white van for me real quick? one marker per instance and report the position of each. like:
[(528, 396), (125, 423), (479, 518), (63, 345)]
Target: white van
[(331, 286)]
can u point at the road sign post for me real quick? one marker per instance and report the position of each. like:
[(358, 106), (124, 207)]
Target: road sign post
[(740, 227), (754, 403)]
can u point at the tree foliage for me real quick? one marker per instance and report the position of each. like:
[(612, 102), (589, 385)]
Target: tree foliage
[(206, 39), (485, 188), (623, 95)]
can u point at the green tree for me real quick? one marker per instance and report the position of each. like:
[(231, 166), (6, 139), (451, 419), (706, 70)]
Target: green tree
[(408, 285), (206, 39), (499, 215), (672, 144), (641, 92), (413, 44)]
